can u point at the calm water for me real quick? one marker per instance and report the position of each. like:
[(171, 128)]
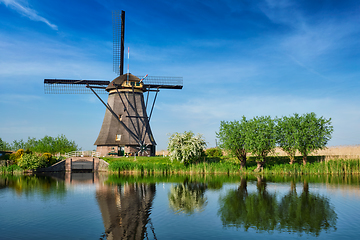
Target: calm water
[(88, 206)]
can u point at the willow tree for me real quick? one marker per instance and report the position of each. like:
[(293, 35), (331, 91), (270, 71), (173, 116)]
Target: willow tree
[(313, 134), (287, 131), (261, 138), (232, 136)]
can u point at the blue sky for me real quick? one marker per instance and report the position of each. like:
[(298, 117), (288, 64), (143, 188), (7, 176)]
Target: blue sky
[(252, 58)]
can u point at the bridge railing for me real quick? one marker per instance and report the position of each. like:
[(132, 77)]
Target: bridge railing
[(82, 154)]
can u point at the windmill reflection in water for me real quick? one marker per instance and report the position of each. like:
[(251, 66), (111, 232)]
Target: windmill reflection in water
[(126, 210)]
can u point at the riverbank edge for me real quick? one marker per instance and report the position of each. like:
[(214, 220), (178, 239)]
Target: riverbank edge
[(332, 167), (124, 166)]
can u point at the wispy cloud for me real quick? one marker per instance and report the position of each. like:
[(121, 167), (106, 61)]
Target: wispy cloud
[(18, 98), (27, 12)]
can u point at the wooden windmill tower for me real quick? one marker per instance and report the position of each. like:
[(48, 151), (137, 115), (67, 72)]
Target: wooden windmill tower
[(126, 125)]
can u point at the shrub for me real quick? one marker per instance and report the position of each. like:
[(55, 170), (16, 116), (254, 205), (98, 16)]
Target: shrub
[(214, 152), (49, 159), (186, 147), (19, 153), (31, 161), (14, 157)]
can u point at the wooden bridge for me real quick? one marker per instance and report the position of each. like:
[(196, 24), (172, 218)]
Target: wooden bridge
[(71, 164)]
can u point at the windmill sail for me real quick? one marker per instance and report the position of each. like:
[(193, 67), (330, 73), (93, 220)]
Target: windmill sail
[(118, 18), (67, 86)]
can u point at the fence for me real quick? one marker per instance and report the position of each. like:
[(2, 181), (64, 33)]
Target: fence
[(82, 154)]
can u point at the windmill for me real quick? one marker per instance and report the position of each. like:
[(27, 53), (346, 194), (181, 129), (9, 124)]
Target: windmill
[(126, 124)]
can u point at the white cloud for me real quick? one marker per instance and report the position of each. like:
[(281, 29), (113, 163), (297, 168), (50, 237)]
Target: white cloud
[(18, 98), (27, 12)]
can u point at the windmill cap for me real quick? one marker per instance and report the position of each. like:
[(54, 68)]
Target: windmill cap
[(120, 79)]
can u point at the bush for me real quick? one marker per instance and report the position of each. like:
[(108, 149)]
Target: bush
[(31, 161), (214, 152), (49, 159), (14, 157), (186, 147), (19, 153)]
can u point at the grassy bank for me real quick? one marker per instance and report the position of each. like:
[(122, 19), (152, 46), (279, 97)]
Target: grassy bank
[(12, 169), (225, 165)]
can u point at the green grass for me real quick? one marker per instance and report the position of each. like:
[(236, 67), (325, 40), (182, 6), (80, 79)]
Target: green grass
[(11, 169), (224, 165), (227, 165)]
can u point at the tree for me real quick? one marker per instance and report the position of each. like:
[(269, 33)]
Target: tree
[(54, 145), (313, 134), (4, 145), (214, 152), (186, 147), (62, 144), (31, 144), (286, 132), (16, 145), (232, 136), (46, 144), (261, 138)]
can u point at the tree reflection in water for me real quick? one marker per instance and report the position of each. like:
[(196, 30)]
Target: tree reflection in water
[(187, 197), (242, 209), (305, 213), (32, 185)]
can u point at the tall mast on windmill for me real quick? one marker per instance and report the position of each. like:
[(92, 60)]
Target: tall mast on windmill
[(126, 124)]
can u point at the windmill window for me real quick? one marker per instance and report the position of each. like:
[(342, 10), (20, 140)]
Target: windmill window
[(118, 137), (137, 84)]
